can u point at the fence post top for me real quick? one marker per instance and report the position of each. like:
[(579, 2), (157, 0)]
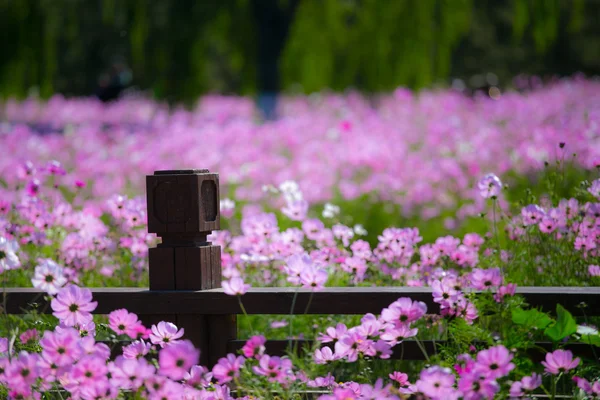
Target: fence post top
[(182, 172), (183, 204)]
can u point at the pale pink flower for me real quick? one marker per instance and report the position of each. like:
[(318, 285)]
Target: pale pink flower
[(165, 333), (489, 186), (235, 286)]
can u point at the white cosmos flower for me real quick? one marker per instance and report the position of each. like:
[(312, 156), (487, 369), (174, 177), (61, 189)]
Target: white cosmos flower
[(8, 254), (330, 210), (48, 276)]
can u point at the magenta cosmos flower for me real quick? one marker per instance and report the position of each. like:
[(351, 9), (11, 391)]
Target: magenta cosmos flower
[(73, 305), (177, 359), (560, 361), (228, 368), (123, 322), (276, 369), (494, 362)]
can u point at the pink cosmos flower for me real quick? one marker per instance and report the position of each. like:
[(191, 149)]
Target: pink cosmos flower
[(484, 279), (228, 368), (594, 270), (332, 334), (437, 383), (494, 362), (444, 290), (394, 334), (73, 305), (279, 324), (235, 286), (505, 291), (313, 278), (23, 370), (295, 265), (33, 187), (122, 322), (526, 385), (532, 214), (254, 347), (594, 189), (489, 186), (476, 386), (61, 347), (90, 370), (560, 361), (128, 373), (176, 359), (48, 276), (403, 311), (28, 336), (136, 349), (92, 348), (165, 333), (276, 369), (198, 376), (322, 381), (296, 210), (340, 394), (324, 355), (548, 224)]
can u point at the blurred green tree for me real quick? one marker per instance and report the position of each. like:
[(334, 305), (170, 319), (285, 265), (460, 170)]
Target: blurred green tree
[(179, 49)]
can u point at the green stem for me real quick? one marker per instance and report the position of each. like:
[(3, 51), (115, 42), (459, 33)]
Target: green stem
[(245, 313), (495, 228), (291, 331), (309, 301), (422, 348)]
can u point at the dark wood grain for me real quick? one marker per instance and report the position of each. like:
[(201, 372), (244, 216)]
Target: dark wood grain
[(333, 300)]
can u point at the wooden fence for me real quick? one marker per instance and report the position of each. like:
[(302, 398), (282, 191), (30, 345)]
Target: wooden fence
[(185, 281)]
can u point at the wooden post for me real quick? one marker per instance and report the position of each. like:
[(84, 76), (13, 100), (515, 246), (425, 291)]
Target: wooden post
[(183, 209)]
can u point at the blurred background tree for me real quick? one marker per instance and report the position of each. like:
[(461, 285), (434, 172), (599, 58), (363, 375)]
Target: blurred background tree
[(179, 49)]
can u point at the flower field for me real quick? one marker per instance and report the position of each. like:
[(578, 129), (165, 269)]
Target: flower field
[(471, 197)]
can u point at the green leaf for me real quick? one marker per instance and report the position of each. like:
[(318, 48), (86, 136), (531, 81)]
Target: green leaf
[(591, 339), (565, 325), (532, 318)]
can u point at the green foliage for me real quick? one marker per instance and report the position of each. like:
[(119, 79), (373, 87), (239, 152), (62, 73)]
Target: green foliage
[(564, 326), (531, 318)]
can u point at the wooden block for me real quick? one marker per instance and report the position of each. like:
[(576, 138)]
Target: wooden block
[(161, 268)]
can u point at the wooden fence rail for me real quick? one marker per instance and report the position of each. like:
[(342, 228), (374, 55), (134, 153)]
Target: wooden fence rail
[(185, 281)]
